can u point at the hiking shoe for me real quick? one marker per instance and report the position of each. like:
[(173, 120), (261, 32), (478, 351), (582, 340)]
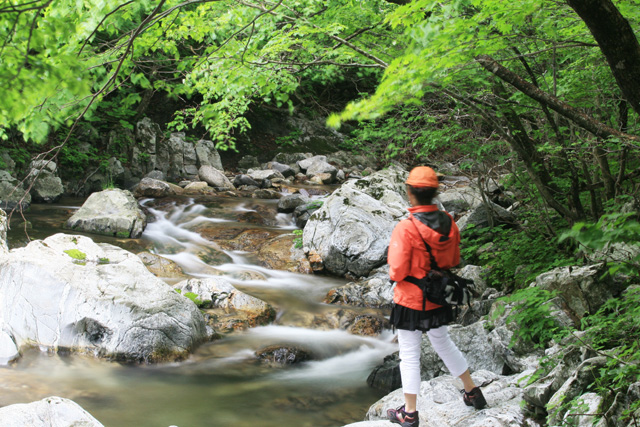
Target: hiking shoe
[(405, 419), (474, 398)]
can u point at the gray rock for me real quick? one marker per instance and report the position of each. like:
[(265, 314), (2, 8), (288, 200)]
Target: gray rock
[(67, 292), (266, 193), (261, 175), (277, 355), (374, 292), (386, 377), (477, 274), (155, 174), (4, 226), (207, 155), (485, 215), (460, 199), (49, 412), (150, 187), (219, 293), (472, 341), (290, 158), (112, 212), (147, 135), (196, 186), (575, 386), (581, 288), (440, 403), (241, 180), (580, 416), (47, 187), (290, 202), (285, 170), (309, 161), (351, 231), (12, 193), (215, 178)]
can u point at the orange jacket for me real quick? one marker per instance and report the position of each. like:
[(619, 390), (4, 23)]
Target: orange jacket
[(408, 256)]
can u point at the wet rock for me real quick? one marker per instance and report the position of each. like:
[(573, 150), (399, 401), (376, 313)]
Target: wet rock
[(303, 212), (368, 325), (264, 193), (373, 292), (237, 310), (51, 411), (112, 212), (67, 292), (250, 240), (197, 187), (264, 174), (352, 229), (215, 178), (161, 266), (386, 377), (149, 187), (290, 202), (279, 254), (282, 355), (242, 180)]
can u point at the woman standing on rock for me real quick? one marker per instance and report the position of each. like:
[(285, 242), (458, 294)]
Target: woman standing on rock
[(411, 315)]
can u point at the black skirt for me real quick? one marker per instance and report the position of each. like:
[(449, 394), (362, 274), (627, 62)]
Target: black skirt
[(416, 320)]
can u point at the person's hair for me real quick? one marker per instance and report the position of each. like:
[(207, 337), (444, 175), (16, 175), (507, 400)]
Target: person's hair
[(424, 195)]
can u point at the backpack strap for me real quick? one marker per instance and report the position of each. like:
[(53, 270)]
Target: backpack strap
[(434, 263)]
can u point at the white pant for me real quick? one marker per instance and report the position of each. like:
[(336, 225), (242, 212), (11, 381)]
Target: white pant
[(409, 342)]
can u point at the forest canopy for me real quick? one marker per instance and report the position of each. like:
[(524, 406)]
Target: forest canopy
[(547, 87)]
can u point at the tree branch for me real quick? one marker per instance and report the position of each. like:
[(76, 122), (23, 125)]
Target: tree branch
[(595, 127)]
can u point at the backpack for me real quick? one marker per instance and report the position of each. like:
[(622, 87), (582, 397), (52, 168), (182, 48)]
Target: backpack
[(441, 287)]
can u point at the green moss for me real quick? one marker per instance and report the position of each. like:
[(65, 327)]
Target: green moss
[(103, 261), (122, 234), (194, 297), (76, 254), (346, 201)]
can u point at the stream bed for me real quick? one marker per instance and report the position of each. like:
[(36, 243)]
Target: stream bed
[(222, 382)]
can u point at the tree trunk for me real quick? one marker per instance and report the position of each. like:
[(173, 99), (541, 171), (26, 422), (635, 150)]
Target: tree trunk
[(617, 42)]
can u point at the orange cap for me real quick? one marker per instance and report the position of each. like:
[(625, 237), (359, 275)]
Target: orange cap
[(422, 176)]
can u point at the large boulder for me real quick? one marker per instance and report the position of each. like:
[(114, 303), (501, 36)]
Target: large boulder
[(485, 215), (440, 403), (351, 231), (48, 412), (215, 178), (583, 289), (47, 188), (149, 187), (374, 292), (207, 155), (112, 212), (12, 193), (177, 157), (67, 292)]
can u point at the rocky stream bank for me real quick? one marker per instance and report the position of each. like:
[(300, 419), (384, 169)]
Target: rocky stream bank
[(69, 293)]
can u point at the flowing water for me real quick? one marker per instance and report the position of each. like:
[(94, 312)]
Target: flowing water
[(222, 383)]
